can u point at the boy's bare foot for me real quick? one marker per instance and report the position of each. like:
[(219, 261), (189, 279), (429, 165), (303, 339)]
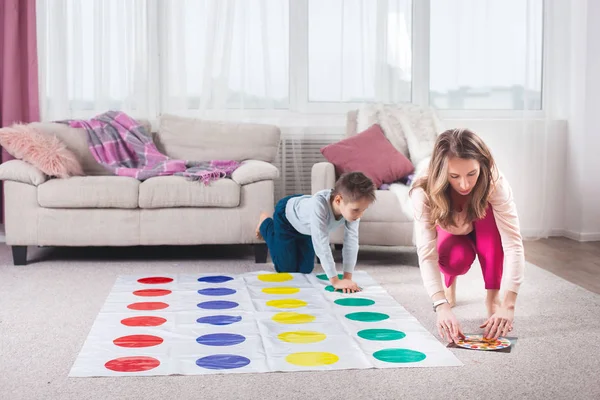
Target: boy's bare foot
[(450, 293), (262, 217), (492, 302)]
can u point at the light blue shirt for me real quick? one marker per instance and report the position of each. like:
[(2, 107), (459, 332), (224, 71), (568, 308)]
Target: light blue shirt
[(313, 215)]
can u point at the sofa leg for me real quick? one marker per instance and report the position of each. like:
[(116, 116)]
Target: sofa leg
[(339, 246), (317, 260), (19, 255), (260, 253)]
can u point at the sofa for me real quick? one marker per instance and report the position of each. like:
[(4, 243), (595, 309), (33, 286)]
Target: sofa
[(387, 222), (101, 209)]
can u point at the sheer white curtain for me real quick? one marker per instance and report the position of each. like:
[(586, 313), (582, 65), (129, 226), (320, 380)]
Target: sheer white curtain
[(224, 54), (96, 55)]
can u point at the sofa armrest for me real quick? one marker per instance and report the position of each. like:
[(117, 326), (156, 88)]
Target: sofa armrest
[(254, 171), (322, 176), (21, 171)]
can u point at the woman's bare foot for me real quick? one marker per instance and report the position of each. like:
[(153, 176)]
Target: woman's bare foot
[(450, 293), (262, 217), (492, 301)]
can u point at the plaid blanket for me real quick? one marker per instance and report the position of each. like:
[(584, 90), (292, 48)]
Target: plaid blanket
[(125, 147)]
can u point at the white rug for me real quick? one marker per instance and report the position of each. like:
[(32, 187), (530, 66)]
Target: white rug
[(194, 324)]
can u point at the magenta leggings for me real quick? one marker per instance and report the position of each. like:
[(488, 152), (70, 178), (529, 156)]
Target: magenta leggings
[(457, 252)]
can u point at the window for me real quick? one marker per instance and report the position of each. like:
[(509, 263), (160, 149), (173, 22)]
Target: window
[(486, 54), (300, 55)]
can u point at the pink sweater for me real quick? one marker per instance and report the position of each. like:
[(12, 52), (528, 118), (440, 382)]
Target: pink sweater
[(505, 214)]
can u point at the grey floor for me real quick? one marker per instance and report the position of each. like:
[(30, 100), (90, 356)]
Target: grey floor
[(47, 309)]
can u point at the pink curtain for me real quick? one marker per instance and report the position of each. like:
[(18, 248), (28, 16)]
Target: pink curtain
[(19, 100)]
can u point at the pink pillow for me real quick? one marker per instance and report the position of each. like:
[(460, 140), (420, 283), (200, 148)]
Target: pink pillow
[(370, 153), (46, 152)]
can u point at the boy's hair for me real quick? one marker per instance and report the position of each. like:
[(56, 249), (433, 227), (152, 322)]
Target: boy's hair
[(354, 186)]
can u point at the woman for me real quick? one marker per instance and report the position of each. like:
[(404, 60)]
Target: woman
[(464, 207)]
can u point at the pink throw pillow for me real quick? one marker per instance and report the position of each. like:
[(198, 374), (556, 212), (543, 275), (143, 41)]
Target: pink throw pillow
[(46, 152), (370, 153)]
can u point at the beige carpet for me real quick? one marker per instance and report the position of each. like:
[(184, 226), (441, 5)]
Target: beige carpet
[(47, 309)]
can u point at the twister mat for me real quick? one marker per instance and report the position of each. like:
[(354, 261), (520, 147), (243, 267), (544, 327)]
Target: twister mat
[(255, 322)]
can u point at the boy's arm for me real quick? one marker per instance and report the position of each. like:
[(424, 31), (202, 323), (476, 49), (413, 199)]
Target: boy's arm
[(350, 249), (319, 233)]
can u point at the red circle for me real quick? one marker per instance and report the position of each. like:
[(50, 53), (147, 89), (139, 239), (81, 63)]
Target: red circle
[(143, 321), (148, 306), (152, 292), (132, 364), (138, 341), (154, 280)]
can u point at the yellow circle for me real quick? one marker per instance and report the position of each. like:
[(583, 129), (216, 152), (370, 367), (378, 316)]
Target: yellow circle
[(293, 318), (302, 337), (312, 359), (286, 303), (281, 290), (276, 277)]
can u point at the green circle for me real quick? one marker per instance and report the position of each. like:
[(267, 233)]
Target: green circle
[(324, 277), (354, 302), (330, 289), (381, 334), (399, 355), (367, 316)]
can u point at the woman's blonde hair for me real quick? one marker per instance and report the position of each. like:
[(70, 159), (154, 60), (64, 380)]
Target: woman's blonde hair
[(461, 143)]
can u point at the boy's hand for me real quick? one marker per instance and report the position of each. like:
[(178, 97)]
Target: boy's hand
[(345, 285), (348, 275)]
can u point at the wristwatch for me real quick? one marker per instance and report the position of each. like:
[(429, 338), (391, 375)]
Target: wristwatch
[(439, 303)]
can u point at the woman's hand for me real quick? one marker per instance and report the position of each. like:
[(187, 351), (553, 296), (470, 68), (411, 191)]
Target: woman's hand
[(499, 324), (448, 326)]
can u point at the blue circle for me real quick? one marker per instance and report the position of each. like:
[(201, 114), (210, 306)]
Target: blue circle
[(215, 291), (215, 279), (219, 319), (220, 339), (218, 305), (222, 361)]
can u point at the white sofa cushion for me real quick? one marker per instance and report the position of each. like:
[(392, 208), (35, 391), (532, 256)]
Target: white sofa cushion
[(89, 192), (386, 208), (202, 140), (21, 171), (178, 191), (254, 171)]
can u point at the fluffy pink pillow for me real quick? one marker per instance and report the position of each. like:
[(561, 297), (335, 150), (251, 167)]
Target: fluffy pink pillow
[(370, 153), (46, 152)]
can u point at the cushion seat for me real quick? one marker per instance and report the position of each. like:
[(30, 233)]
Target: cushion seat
[(178, 191)]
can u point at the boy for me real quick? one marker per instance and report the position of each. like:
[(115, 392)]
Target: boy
[(301, 225)]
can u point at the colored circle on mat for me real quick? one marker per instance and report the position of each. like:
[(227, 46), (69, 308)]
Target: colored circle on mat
[(152, 292), (138, 341), (215, 279), (222, 361), (381, 334), (367, 316), (312, 359), (155, 280), (217, 291), (143, 321), (220, 339), (331, 289), (399, 355), (286, 303), (219, 319), (281, 290), (324, 277), (279, 277), (218, 305), (132, 364), (302, 337), (354, 302), (293, 318), (148, 305)]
